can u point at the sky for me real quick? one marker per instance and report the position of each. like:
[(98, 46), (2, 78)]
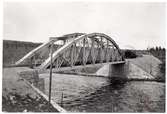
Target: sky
[(136, 25)]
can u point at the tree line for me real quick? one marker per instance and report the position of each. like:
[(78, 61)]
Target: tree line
[(156, 48)]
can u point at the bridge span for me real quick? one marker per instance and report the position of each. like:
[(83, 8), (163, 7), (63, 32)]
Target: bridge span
[(71, 51)]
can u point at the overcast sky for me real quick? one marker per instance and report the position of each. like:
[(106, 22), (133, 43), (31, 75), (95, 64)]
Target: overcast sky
[(132, 25)]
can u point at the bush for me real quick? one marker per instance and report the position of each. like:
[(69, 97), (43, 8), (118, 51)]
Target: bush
[(161, 76), (130, 54)]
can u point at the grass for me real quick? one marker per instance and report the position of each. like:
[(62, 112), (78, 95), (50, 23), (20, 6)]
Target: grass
[(17, 96)]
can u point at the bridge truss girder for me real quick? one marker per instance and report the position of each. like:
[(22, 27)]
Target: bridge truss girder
[(78, 49)]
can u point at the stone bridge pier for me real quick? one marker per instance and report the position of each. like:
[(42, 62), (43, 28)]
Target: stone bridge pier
[(114, 70), (118, 72)]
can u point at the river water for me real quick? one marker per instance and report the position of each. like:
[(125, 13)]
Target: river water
[(97, 94)]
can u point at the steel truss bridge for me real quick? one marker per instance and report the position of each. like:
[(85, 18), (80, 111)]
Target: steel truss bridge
[(71, 51)]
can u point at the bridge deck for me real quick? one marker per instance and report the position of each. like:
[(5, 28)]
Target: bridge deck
[(79, 67)]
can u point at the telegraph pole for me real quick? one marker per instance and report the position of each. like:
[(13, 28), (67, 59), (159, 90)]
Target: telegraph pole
[(50, 78)]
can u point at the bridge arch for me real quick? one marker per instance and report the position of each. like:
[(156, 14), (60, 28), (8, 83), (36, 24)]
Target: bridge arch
[(107, 37), (46, 45), (70, 48)]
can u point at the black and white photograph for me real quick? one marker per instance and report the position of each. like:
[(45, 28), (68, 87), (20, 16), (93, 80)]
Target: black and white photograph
[(83, 56)]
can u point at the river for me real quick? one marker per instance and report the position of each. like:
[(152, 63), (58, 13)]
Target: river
[(96, 94)]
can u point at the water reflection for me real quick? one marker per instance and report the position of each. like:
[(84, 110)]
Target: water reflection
[(121, 98), (104, 99), (97, 94)]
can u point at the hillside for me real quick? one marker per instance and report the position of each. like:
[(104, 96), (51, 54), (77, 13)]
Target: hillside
[(15, 50)]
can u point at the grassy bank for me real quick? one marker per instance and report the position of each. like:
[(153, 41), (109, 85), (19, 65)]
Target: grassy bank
[(15, 50), (18, 96)]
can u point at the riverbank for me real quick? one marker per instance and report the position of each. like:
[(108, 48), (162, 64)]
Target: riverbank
[(18, 96)]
